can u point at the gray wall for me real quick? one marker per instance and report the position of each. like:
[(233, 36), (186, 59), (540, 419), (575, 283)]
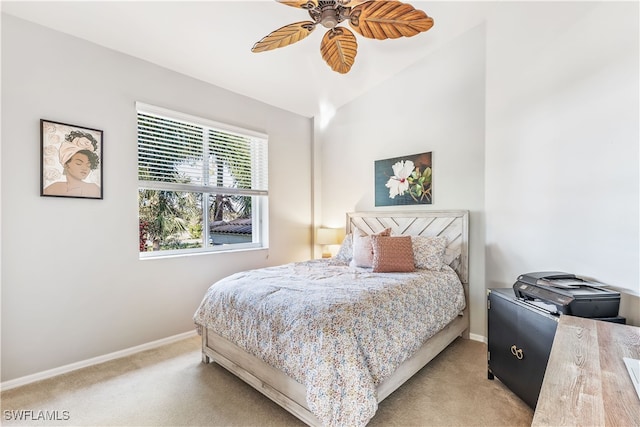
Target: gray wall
[(562, 159), (436, 105), (73, 287), (532, 119)]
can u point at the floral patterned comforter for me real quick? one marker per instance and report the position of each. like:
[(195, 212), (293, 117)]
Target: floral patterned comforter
[(338, 330)]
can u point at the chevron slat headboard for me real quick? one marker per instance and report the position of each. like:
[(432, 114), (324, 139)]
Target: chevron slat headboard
[(453, 224)]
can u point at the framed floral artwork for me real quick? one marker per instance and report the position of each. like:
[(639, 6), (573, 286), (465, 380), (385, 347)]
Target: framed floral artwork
[(70, 160), (405, 180)]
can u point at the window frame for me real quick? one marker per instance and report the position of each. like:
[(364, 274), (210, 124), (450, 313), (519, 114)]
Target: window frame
[(260, 197)]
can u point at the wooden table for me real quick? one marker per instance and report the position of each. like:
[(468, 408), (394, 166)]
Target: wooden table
[(586, 382)]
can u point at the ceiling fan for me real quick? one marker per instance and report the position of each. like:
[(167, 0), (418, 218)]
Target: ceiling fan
[(375, 19)]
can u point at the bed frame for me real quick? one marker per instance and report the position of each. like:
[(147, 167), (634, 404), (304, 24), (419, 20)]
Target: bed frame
[(290, 394)]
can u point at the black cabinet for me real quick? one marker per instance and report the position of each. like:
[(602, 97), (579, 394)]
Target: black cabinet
[(520, 339)]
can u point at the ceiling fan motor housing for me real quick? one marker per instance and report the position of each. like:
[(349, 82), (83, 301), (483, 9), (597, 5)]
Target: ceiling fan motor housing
[(329, 13)]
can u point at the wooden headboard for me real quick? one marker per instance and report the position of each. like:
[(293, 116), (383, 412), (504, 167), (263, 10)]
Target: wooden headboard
[(452, 224)]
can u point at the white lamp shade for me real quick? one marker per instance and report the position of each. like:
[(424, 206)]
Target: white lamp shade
[(327, 236)]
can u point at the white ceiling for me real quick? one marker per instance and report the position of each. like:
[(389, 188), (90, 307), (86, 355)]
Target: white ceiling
[(212, 40)]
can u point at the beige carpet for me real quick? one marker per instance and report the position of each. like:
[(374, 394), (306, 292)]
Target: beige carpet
[(169, 386)]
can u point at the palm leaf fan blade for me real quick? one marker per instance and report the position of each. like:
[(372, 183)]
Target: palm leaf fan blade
[(388, 20), (284, 36), (339, 49)]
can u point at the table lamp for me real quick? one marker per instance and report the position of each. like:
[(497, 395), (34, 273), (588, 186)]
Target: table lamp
[(326, 237)]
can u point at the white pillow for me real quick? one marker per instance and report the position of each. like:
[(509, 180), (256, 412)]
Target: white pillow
[(363, 249)]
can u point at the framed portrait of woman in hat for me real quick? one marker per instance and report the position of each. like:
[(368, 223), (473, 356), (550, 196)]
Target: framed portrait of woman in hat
[(70, 161)]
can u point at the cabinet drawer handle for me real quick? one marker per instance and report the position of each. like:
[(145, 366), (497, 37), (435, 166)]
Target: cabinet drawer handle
[(517, 352)]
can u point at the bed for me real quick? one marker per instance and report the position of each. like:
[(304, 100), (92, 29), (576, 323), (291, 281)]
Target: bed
[(372, 336)]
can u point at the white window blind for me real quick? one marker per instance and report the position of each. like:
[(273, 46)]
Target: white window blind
[(172, 150), (186, 161)]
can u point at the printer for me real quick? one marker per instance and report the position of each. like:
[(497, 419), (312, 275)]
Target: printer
[(564, 293)]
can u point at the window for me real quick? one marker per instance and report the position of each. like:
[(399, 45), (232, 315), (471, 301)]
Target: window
[(202, 185)]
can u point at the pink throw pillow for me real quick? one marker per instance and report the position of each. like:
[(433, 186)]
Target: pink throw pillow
[(392, 254)]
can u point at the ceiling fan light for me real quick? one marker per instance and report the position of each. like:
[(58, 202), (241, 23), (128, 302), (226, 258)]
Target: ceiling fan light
[(329, 22), (329, 18)]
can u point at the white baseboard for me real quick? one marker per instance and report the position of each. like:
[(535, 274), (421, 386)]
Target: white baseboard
[(476, 337), (93, 361)]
